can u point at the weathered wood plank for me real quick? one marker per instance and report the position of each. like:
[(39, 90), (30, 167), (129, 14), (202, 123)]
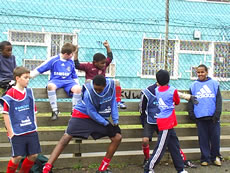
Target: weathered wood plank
[(131, 107), (47, 148), (125, 93), (55, 135)]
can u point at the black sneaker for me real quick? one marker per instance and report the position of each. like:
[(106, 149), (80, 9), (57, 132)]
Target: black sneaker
[(145, 163), (54, 115), (189, 164), (106, 171)]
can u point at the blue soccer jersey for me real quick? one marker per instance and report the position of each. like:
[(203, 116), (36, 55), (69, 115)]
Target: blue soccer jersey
[(60, 69)]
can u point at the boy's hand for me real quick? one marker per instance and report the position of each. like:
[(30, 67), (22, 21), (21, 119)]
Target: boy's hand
[(106, 44), (75, 53)]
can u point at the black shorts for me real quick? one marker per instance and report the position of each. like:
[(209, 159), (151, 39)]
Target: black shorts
[(83, 128), (25, 145), (149, 129)]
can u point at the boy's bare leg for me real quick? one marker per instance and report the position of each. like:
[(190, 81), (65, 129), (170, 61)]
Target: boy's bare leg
[(63, 142), (115, 142)]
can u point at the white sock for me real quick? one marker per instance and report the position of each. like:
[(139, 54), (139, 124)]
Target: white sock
[(76, 99), (53, 100)]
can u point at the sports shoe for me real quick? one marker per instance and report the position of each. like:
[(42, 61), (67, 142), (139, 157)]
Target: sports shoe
[(189, 164), (47, 168), (204, 164), (121, 105), (217, 162), (106, 171), (145, 163), (54, 115), (183, 171)]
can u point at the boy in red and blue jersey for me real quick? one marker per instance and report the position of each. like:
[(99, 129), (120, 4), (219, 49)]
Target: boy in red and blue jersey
[(98, 67), (166, 96), (20, 121)]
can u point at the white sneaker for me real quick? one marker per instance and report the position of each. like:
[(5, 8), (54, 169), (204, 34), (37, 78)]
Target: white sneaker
[(151, 171), (184, 171)]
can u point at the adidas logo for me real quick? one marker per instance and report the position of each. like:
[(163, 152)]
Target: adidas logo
[(62, 64), (162, 104), (204, 92)]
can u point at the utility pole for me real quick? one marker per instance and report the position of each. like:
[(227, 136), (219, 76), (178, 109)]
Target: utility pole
[(166, 34)]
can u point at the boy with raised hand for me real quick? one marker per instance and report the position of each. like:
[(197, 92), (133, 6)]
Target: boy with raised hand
[(90, 118), (63, 75), (20, 121), (166, 96), (98, 67)]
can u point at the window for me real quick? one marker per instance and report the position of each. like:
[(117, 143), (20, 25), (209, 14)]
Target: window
[(194, 46), (58, 40), (28, 38), (53, 41), (153, 57), (221, 60), (31, 64)]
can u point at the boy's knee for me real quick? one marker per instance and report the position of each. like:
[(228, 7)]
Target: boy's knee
[(145, 141), (117, 82), (117, 138), (32, 157), (51, 87), (16, 159), (76, 89)]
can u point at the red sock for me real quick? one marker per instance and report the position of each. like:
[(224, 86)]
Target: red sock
[(26, 166), (11, 167), (183, 155), (104, 164), (146, 151), (118, 93)]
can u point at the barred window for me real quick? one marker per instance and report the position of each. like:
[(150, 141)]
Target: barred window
[(57, 41), (194, 46), (31, 64), (26, 37), (221, 60), (53, 41), (153, 57)]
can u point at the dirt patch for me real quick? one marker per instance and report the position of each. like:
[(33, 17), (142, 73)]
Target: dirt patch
[(161, 168)]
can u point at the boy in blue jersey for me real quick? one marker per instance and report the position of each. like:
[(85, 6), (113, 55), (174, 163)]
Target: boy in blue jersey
[(149, 110), (90, 118), (166, 96), (20, 122), (62, 75), (207, 115)]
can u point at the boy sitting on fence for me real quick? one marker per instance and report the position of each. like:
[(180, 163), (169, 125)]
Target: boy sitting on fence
[(98, 67), (63, 75)]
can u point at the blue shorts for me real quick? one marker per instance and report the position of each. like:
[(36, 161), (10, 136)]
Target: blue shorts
[(85, 127), (66, 84), (25, 145)]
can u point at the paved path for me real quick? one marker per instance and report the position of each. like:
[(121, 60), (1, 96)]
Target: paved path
[(162, 168)]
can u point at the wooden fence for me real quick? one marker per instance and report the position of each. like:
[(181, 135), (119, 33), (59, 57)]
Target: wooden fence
[(86, 152)]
